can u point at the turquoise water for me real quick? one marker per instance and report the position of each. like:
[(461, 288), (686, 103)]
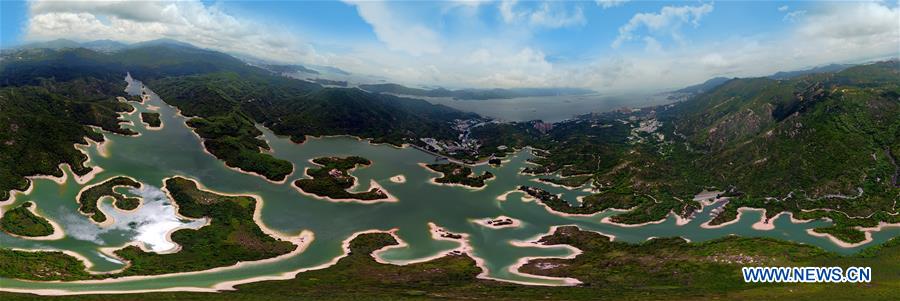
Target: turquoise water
[(175, 150)]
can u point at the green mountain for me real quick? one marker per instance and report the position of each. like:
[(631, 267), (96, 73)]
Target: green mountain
[(50, 97), (473, 94), (705, 86), (820, 69), (289, 69), (819, 146)]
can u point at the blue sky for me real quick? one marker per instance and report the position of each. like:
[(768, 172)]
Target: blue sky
[(606, 45)]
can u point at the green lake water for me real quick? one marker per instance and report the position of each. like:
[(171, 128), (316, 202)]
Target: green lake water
[(175, 150)]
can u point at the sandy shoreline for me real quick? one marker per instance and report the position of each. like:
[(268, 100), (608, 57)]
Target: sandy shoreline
[(466, 248), (399, 179), (606, 220), (403, 244), (505, 195), (57, 234), (302, 241), (484, 222), (151, 128), (434, 181), (203, 147), (372, 184), (109, 219), (535, 243), (538, 180), (868, 233)]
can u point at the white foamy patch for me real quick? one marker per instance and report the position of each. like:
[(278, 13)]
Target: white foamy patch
[(110, 259), (152, 221), (78, 227)]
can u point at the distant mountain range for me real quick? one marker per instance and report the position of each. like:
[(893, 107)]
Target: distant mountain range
[(821, 69), (818, 145), (474, 94), (781, 75), (289, 69), (76, 88), (101, 45), (705, 86)]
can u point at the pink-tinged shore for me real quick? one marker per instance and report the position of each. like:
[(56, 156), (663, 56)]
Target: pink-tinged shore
[(302, 240), (491, 222), (535, 243), (466, 248), (399, 179), (844, 244)]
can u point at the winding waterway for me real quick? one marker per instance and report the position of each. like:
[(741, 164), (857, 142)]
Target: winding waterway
[(175, 150)]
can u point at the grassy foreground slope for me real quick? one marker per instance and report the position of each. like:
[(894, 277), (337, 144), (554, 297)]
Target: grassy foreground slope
[(663, 269)]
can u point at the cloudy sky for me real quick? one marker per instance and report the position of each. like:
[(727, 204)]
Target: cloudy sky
[(605, 45)]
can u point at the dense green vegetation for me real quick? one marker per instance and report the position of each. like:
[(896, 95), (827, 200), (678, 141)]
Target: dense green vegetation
[(453, 173), (667, 263), (572, 181), (41, 265), (60, 111), (819, 146), (660, 269), (22, 222), (814, 140), (333, 179), (151, 119), (298, 108), (55, 93), (588, 206), (89, 198), (232, 235), (233, 138)]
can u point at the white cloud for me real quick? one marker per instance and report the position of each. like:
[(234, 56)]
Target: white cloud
[(190, 21), (783, 8), (668, 20), (417, 48), (548, 14), (150, 223), (397, 32), (652, 45), (611, 3), (794, 15)]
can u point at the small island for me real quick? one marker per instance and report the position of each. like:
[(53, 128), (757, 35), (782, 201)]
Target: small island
[(21, 221), (151, 119), (89, 197), (557, 204), (333, 179), (453, 173), (499, 222)]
